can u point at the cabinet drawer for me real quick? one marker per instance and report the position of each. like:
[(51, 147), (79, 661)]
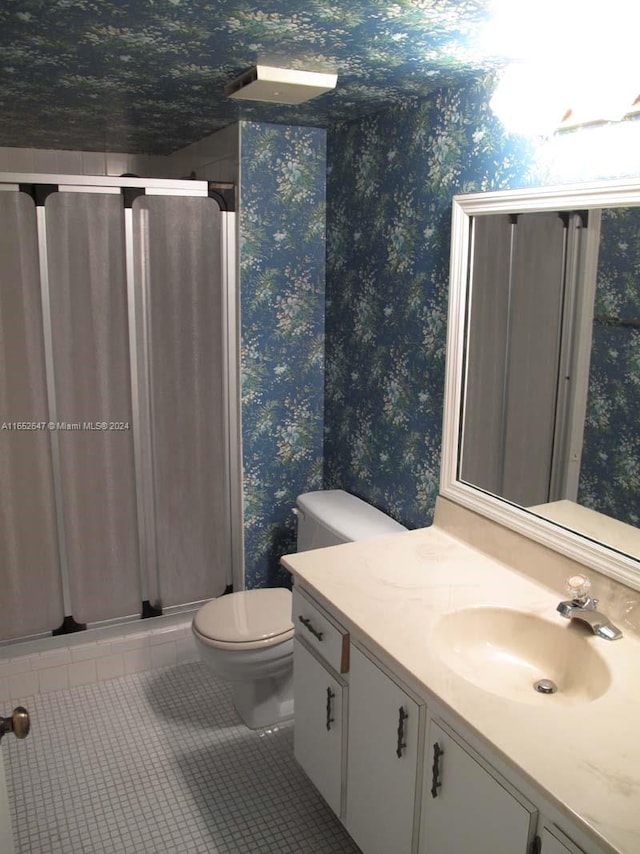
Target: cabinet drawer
[(321, 631)]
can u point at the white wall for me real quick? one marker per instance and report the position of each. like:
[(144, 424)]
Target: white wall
[(79, 162), (214, 158)]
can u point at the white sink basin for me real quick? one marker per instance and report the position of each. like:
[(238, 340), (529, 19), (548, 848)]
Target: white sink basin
[(506, 652)]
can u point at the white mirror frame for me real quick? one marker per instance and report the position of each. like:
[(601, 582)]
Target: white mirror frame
[(608, 561)]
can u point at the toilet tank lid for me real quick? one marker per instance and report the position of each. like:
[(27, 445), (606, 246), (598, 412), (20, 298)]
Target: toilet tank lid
[(346, 516)]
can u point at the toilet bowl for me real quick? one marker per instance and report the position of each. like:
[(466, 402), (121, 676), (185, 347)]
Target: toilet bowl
[(246, 637)]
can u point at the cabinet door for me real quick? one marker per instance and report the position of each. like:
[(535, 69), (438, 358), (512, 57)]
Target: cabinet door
[(319, 700), (555, 842), (6, 833), (382, 760), (466, 810)]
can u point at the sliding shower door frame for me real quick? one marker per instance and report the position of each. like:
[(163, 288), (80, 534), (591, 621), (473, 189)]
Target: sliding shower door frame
[(233, 420)]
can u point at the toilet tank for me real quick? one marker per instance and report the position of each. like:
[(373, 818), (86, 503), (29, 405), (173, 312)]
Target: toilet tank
[(332, 516)]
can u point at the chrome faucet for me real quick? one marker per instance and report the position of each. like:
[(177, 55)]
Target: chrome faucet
[(582, 607)]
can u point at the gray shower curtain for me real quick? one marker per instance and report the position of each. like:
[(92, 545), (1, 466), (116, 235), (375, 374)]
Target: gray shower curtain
[(114, 470)]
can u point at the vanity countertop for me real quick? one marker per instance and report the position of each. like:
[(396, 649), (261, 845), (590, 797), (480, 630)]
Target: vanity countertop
[(390, 592)]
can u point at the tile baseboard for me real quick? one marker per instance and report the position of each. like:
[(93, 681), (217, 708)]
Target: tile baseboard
[(54, 664)]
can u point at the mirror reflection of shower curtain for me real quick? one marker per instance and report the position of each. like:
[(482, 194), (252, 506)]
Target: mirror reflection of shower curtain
[(121, 326), (516, 315)]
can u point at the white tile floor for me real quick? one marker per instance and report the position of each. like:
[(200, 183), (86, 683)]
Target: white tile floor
[(159, 763)]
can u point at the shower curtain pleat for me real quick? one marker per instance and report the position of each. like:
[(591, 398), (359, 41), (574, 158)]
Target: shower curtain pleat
[(91, 357), (178, 252), (30, 587)]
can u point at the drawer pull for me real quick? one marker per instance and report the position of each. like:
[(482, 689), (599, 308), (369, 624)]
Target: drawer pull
[(330, 696), (306, 622), (435, 770), (402, 716)]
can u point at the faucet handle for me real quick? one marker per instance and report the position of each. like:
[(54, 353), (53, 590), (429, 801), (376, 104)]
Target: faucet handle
[(578, 587)]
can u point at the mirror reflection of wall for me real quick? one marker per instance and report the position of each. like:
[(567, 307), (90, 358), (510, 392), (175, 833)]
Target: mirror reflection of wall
[(610, 470)]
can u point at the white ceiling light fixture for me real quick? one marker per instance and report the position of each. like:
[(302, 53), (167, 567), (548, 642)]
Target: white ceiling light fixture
[(281, 85)]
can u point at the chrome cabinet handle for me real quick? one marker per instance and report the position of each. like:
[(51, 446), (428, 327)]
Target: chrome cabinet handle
[(402, 716), (18, 723), (306, 622), (435, 770), (330, 696)]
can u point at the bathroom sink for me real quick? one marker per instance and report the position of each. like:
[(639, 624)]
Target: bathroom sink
[(507, 652)]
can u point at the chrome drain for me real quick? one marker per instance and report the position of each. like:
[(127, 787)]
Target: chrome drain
[(545, 686)]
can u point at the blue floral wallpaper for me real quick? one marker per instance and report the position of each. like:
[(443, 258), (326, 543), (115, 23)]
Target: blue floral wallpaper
[(282, 271), (610, 469), (391, 178), (150, 76)]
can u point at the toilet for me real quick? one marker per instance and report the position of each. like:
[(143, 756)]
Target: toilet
[(247, 637)]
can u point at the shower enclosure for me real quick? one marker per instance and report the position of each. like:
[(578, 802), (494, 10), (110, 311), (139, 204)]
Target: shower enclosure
[(119, 424)]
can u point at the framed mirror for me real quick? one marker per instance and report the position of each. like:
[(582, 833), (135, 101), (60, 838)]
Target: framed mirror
[(541, 428)]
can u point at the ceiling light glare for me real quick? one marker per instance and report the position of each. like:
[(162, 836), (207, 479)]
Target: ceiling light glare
[(521, 30), (575, 62), (587, 154), (530, 100), (561, 31), (607, 92)]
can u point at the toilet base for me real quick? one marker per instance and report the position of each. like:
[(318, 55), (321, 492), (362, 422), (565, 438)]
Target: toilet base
[(264, 702)]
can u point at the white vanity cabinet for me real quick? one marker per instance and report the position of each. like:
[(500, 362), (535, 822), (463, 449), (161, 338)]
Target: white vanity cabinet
[(320, 705), (384, 745), (553, 841), (320, 660), (399, 773), (467, 807)]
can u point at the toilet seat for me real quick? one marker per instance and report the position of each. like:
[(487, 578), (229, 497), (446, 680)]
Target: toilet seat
[(249, 619)]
